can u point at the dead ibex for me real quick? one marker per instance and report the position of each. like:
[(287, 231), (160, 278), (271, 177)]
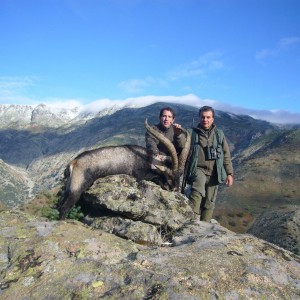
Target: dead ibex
[(132, 160)]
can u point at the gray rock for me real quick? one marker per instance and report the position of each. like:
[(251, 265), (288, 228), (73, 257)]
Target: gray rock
[(144, 205), (136, 231), (75, 261)]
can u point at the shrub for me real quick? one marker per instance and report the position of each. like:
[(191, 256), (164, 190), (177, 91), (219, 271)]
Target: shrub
[(50, 213), (75, 213), (232, 223)]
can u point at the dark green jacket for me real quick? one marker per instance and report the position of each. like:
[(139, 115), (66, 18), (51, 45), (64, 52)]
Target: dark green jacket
[(223, 165)]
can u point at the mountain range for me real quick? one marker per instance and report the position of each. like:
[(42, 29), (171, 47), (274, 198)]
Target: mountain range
[(38, 142)]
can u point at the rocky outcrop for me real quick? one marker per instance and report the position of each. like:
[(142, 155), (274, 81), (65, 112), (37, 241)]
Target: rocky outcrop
[(281, 227), (69, 260), (139, 242), (142, 212)]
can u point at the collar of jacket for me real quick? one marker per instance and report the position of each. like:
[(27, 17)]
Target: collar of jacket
[(202, 131), (163, 128)]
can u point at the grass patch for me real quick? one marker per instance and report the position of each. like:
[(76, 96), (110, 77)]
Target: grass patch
[(44, 205)]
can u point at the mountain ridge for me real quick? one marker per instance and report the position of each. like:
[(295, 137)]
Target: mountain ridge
[(43, 152), (45, 116)]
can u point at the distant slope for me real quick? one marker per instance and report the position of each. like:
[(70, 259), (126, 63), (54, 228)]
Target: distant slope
[(23, 147), (15, 187), (267, 175), (266, 158)]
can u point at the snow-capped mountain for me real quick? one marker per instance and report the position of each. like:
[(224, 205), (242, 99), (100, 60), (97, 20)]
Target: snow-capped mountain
[(22, 116)]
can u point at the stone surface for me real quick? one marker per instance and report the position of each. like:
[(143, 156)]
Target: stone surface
[(136, 231), (138, 242), (142, 205), (69, 260)]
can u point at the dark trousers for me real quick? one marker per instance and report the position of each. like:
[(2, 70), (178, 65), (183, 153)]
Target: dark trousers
[(203, 195)]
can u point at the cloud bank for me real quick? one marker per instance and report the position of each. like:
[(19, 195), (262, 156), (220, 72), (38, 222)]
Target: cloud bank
[(12, 88), (273, 116)]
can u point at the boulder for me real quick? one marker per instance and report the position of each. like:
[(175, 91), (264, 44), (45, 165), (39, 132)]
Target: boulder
[(140, 211)]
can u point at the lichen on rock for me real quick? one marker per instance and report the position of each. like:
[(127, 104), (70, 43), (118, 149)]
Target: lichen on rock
[(114, 256)]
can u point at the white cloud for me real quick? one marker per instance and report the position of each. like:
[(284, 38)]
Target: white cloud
[(62, 103), (288, 42), (140, 85), (265, 53), (11, 88), (274, 116), (201, 66), (139, 102), (134, 85), (283, 44), (13, 83)]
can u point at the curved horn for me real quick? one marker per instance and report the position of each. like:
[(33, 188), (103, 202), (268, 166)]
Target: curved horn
[(166, 142), (185, 151)]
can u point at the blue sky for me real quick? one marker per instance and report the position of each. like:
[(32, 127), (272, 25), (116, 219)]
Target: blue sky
[(241, 56)]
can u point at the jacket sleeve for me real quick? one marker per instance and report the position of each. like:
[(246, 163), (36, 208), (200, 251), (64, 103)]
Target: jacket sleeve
[(227, 158), (151, 144)]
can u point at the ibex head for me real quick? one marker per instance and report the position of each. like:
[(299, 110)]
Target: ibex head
[(171, 177)]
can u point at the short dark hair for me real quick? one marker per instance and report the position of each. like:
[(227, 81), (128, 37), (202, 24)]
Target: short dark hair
[(169, 109), (206, 108)]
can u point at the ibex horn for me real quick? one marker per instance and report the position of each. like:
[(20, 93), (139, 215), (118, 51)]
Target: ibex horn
[(166, 142)]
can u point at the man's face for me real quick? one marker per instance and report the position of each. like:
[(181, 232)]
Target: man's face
[(166, 119), (206, 119)]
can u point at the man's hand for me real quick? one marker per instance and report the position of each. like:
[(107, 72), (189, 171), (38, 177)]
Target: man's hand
[(160, 157), (229, 180), (177, 128)]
